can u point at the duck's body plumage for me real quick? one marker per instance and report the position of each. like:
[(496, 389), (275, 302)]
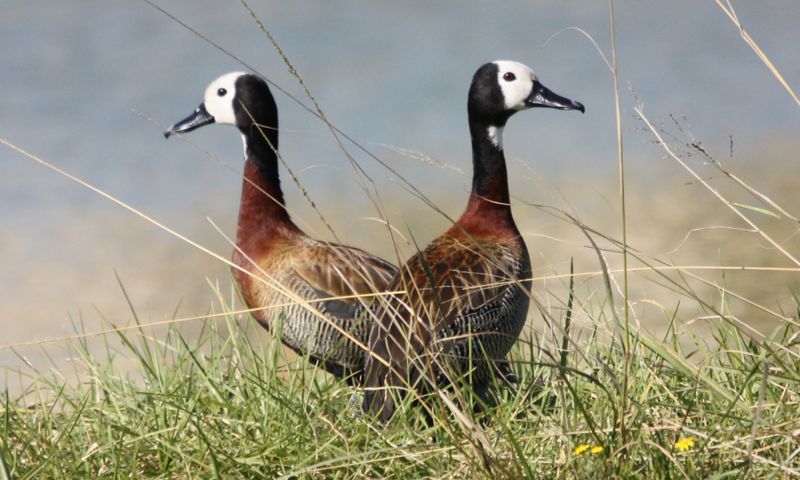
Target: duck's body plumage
[(289, 277), (297, 278), (467, 301), (467, 296), (468, 291)]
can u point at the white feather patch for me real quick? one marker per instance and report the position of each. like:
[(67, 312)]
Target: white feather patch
[(515, 91), (496, 136), (221, 106)]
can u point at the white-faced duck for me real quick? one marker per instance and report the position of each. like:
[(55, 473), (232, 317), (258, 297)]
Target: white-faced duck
[(467, 293), (290, 275)]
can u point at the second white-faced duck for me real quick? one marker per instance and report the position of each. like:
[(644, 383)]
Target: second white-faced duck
[(468, 291)]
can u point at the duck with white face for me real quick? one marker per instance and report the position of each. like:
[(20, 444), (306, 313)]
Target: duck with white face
[(310, 287), (468, 291)]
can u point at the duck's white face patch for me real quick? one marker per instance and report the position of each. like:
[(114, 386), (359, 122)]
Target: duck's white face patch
[(496, 136), (219, 98), (516, 83)]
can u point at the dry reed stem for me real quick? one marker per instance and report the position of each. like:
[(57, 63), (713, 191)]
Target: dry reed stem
[(711, 189), (680, 268), (727, 8)]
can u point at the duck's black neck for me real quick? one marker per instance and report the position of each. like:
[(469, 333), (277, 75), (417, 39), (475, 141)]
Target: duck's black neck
[(490, 177), (262, 212), (257, 120), (260, 148)]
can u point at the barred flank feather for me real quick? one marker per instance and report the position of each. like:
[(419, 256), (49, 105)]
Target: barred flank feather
[(313, 270)]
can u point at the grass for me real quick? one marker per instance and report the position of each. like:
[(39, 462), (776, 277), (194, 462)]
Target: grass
[(598, 395), (219, 405)]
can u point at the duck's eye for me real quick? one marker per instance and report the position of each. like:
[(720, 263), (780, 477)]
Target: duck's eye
[(509, 77), (221, 92)]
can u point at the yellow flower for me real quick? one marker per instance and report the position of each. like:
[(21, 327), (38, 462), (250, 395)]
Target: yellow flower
[(684, 444), (580, 449), (596, 449)]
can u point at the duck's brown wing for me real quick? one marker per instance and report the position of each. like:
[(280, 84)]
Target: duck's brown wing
[(457, 291), (338, 270), (332, 277)]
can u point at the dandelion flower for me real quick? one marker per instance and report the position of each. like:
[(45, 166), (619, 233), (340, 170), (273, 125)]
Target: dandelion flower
[(580, 449), (597, 449), (684, 444)]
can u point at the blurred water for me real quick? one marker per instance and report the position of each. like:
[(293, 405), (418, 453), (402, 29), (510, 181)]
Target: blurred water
[(385, 72)]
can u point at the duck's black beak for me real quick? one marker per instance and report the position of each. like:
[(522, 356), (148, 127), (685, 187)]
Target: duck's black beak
[(197, 119), (542, 96)]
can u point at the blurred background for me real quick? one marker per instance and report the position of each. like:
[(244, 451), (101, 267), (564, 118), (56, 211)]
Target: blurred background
[(90, 87)]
